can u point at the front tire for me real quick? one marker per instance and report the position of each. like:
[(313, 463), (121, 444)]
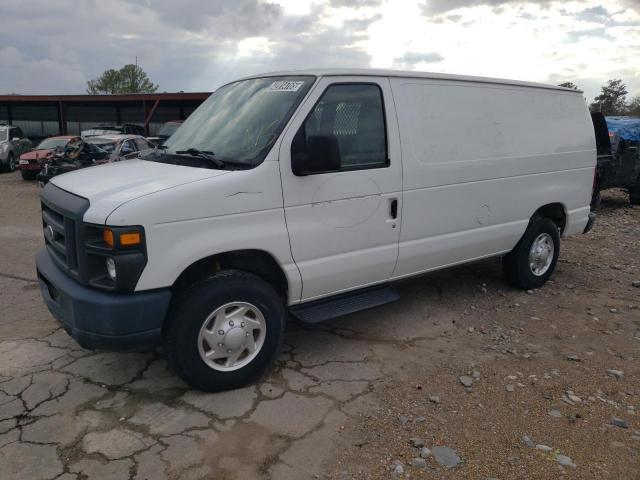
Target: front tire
[(225, 331), (533, 260)]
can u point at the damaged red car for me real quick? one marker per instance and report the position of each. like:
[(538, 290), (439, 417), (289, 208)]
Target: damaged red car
[(30, 163)]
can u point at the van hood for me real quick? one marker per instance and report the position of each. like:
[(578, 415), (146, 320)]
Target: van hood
[(111, 185)]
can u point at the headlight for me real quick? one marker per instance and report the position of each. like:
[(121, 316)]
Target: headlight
[(115, 256), (3, 147), (111, 268)]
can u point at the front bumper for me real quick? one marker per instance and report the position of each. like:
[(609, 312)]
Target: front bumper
[(102, 320), (592, 220), (29, 165)]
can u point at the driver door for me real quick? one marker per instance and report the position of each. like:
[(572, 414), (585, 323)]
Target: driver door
[(343, 214)]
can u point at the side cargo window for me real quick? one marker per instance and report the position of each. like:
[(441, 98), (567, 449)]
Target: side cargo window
[(345, 131)]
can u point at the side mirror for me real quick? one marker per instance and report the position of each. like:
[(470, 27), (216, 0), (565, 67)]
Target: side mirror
[(320, 154)]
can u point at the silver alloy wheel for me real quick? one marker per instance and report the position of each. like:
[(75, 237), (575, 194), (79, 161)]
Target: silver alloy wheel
[(541, 254), (232, 336)]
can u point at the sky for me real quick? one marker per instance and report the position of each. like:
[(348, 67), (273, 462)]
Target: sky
[(56, 46)]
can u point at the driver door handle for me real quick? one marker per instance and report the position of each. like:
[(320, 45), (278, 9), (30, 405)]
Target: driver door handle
[(393, 208)]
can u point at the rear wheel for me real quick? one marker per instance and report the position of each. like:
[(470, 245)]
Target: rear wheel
[(10, 166), (225, 331), (533, 260), (634, 193)]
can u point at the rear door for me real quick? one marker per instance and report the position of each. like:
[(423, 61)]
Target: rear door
[(344, 224)]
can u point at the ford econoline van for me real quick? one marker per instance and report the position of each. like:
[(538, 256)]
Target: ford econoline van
[(309, 193)]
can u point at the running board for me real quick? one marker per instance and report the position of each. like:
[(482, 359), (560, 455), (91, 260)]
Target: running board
[(333, 307)]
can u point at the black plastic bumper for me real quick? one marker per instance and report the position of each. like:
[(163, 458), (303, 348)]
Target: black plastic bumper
[(102, 320), (592, 220)]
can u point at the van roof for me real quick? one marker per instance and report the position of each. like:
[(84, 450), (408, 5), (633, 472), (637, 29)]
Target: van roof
[(372, 72)]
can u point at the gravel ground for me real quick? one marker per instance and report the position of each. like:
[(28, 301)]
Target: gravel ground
[(553, 378)]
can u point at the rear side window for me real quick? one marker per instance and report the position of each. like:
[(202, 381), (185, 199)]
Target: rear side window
[(354, 115), (142, 144)]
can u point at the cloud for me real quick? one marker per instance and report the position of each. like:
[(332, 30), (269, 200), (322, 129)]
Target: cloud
[(434, 7), (410, 59), (55, 46), (355, 3)]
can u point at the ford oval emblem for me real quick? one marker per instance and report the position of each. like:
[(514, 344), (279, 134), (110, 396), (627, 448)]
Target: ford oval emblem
[(50, 234)]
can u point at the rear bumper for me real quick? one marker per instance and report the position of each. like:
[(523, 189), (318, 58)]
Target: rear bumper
[(592, 220), (102, 320)]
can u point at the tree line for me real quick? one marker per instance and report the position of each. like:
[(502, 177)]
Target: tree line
[(612, 99)]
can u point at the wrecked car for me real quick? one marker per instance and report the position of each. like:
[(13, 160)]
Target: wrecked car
[(87, 152), (617, 141), (30, 163)]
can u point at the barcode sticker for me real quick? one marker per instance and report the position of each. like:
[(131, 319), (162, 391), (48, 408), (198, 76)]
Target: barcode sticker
[(286, 86)]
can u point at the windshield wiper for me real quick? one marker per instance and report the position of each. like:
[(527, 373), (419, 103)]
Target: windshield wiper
[(207, 155)]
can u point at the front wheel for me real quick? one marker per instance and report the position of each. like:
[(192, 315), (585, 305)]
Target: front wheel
[(225, 331), (530, 264)]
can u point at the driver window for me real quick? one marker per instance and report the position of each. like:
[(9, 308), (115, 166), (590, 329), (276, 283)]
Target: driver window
[(353, 114)]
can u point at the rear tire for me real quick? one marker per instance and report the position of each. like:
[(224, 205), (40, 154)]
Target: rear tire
[(10, 166), (28, 174), (533, 260), (634, 194), (225, 331)]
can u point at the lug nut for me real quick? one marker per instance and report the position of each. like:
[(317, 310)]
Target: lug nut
[(221, 344), (246, 334), (220, 332), (242, 324), (229, 351), (231, 323)]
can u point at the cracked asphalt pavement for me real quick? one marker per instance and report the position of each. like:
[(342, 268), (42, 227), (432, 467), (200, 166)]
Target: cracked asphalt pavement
[(373, 395)]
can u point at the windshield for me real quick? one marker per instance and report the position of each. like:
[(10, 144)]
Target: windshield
[(52, 143), (3, 134), (168, 129), (240, 121)]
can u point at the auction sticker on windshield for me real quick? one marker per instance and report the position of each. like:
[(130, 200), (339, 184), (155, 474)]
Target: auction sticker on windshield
[(286, 86)]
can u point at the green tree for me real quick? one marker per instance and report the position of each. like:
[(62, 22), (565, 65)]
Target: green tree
[(633, 109), (570, 85), (612, 99), (129, 79)]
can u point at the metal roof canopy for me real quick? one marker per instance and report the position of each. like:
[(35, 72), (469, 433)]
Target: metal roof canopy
[(149, 102)]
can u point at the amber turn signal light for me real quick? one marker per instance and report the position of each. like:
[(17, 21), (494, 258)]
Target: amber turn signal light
[(129, 239), (125, 239), (107, 236)]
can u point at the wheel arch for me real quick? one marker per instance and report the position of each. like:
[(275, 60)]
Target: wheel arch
[(258, 262), (555, 211)]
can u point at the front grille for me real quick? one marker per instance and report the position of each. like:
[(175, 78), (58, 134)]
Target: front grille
[(62, 214)]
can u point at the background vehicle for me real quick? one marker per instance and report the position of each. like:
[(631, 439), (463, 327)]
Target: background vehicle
[(618, 156), (165, 132), (90, 151), (30, 163), (12, 144), (310, 193), (127, 128), (121, 147)]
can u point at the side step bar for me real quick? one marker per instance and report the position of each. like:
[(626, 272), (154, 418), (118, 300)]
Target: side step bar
[(343, 304)]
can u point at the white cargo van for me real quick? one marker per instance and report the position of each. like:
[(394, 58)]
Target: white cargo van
[(309, 193)]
